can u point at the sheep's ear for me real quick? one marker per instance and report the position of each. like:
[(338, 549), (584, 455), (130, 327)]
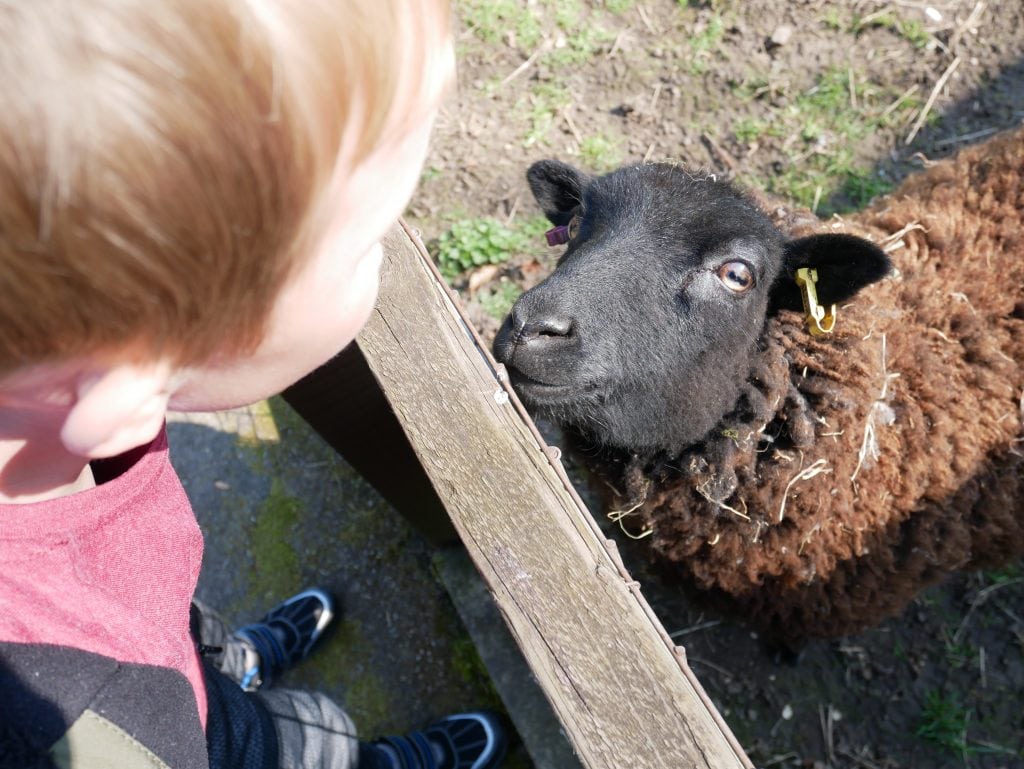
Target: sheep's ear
[(558, 188), (845, 265)]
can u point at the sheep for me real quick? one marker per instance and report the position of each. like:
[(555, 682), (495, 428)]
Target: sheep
[(814, 483)]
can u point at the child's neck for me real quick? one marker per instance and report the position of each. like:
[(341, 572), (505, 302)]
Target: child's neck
[(39, 468)]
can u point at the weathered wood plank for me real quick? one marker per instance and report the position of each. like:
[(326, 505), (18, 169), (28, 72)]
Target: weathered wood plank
[(622, 691)]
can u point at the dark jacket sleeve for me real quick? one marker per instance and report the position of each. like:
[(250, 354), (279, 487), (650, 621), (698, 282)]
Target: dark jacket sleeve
[(65, 708)]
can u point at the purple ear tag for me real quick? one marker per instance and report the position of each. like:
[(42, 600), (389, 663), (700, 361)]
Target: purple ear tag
[(558, 235)]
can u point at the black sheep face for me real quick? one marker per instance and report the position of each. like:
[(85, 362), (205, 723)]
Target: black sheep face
[(641, 338)]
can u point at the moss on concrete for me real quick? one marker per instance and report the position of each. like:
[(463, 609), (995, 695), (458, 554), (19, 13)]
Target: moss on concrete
[(367, 701), (466, 662), (341, 664), (276, 571)]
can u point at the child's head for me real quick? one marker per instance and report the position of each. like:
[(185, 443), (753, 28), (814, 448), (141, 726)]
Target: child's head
[(186, 185)]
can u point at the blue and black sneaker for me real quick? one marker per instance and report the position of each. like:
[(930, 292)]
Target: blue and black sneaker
[(285, 635), (475, 740)]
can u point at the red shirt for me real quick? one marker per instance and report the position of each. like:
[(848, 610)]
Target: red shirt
[(109, 570)]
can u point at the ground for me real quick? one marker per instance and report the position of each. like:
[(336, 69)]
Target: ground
[(824, 103)]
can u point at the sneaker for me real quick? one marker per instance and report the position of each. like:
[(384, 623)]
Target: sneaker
[(284, 635), (474, 740)]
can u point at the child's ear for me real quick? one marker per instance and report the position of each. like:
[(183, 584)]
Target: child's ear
[(558, 188), (117, 409), (845, 265)]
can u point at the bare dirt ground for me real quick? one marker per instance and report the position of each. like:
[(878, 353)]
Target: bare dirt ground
[(825, 103)]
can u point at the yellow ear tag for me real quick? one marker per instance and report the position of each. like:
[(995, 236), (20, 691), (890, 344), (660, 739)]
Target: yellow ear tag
[(819, 321)]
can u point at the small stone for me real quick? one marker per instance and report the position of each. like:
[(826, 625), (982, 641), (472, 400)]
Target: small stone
[(780, 36)]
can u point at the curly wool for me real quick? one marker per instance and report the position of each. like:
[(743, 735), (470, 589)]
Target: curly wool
[(860, 467)]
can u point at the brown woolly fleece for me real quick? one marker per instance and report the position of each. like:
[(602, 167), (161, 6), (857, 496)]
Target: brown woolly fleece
[(912, 413)]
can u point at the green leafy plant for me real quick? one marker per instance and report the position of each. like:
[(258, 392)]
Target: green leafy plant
[(473, 243)]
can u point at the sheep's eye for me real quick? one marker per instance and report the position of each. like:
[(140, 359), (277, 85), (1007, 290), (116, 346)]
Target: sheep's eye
[(736, 276)]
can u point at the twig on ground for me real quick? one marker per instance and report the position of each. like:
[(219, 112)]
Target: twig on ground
[(572, 126), (654, 98), (860, 761), (979, 599), (616, 45), (645, 19), (931, 99), (712, 665), (971, 22), (825, 714), (903, 97), (512, 212), (542, 48), (719, 152), (695, 628), (968, 137)]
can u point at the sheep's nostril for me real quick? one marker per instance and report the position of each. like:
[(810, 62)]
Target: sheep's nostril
[(546, 327)]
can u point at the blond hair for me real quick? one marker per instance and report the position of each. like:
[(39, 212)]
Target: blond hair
[(163, 162)]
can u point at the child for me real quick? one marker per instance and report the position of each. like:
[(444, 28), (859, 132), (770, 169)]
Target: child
[(191, 197)]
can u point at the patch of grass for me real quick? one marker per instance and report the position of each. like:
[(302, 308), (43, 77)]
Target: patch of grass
[(826, 122), (567, 13), (960, 654), (943, 722), (914, 33), (580, 46), (497, 301), (704, 42), (546, 101), (899, 651), (750, 129), (601, 152), (1006, 574), (473, 243), (860, 187), (491, 20), (430, 173), (910, 30), (833, 19), (619, 6)]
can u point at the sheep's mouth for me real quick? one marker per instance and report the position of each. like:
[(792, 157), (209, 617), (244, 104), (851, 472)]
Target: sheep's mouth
[(540, 393)]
